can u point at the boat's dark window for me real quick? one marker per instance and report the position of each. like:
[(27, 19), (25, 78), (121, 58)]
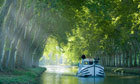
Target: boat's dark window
[(90, 62), (86, 63)]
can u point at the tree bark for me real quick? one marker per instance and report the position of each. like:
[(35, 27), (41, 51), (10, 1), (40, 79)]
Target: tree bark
[(3, 13)]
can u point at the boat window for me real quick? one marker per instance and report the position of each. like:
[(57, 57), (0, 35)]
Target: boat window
[(86, 63), (90, 62)]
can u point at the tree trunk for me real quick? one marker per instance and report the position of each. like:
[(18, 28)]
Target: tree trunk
[(130, 58), (126, 58), (9, 55)]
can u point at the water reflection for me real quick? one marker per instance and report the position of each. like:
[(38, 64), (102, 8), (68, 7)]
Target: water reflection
[(89, 80), (66, 75)]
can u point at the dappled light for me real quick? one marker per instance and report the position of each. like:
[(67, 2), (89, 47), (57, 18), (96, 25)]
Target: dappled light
[(56, 34)]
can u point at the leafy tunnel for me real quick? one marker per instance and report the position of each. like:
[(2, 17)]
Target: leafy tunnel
[(108, 29)]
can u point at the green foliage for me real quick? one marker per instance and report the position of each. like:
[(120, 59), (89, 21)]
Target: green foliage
[(90, 27), (97, 26), (21, 76)]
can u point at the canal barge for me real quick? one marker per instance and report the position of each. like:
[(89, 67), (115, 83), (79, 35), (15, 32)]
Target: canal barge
[(90, 67)]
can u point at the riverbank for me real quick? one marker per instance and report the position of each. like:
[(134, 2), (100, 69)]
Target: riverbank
[(21, 76), (135, 71)]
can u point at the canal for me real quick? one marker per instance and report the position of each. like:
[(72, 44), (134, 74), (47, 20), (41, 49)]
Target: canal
[(66, 75)]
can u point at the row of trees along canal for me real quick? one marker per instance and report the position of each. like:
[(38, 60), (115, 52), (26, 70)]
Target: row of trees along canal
[(108, 29)]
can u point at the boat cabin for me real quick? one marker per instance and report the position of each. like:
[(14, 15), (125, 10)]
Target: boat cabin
[(88, 62), (85, 62)]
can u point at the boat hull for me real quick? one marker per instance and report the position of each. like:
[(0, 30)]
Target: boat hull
[(92, 70)]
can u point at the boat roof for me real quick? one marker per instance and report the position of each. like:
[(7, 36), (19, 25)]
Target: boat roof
[(88, 59)]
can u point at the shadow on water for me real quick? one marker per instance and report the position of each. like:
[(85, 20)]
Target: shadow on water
[(67, 75)]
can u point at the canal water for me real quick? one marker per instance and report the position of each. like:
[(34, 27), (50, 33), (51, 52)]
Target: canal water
[(66, 75)]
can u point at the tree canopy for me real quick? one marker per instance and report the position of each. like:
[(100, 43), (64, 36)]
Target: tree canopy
[(108, 29)]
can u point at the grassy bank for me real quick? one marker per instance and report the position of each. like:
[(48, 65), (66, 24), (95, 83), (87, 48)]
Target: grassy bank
[(21, 76), (135, 71)]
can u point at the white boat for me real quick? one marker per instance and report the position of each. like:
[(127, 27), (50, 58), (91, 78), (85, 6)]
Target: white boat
[(90, 67)]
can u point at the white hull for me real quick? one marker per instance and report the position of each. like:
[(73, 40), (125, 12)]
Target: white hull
[(91, 70)]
